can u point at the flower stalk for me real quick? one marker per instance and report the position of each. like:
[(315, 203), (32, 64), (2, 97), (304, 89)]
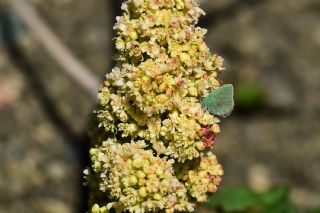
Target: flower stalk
[(152, 147)]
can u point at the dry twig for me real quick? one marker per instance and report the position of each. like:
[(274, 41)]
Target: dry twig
[(51, 43)]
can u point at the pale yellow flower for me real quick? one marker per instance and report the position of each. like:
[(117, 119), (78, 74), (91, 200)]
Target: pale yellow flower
[(151, 150)]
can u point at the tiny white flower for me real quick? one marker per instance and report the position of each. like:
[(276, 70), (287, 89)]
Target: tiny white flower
[(124, 6), (119, 83)]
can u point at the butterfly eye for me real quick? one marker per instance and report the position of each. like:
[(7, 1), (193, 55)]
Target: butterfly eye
[(220, 102)]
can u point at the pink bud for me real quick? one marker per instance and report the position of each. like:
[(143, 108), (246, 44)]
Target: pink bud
[(209, 142), (206, 132)]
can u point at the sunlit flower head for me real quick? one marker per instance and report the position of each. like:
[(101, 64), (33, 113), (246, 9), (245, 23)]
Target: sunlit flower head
[(151, 149)]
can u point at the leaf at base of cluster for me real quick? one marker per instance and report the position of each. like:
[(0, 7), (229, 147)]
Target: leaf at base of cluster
[(244, 200)]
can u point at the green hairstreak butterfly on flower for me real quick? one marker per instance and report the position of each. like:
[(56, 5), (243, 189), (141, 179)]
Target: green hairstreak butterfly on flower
[(220, 102)]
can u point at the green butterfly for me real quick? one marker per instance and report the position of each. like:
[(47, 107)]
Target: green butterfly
[(220, 102)]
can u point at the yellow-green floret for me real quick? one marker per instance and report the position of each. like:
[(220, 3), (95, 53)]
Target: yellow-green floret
[(151, 151)]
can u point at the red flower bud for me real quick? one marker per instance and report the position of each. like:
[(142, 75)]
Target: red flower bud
[(209, 142), (206, 132)]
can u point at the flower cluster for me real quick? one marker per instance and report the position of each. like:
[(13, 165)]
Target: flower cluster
[(139, 180), (204, 178), (152, 151)]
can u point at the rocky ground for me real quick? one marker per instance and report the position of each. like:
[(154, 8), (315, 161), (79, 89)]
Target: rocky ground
[(269, 45)]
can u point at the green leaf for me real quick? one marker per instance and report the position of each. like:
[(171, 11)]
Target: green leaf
[(234, 199), (275, 195), (249, 96), (244, 200), (276, 200), (220, 102), (315, 210)]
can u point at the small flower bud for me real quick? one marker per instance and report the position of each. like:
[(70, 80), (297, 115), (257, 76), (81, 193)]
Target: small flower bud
[(120, 45), (215, 128), (132, 127), (86, 171), (212, 188), (159, 171), (146, 79), (133, 180), (137, 163), (203, 47), (163, 131), (92, 151), (163, 87), (202, 198), (157, 196), (179, 4), (184, 57), (200, 146), (95, 208), (162, 98), (96, 166), (141, 174), (193, 91), (203, 174), (143, 192), (133, 35), (169, 92)]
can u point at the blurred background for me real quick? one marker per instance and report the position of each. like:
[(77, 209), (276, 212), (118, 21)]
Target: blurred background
[(270, 146)]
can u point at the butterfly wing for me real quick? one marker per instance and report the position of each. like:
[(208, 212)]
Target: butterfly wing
[(220, 102)]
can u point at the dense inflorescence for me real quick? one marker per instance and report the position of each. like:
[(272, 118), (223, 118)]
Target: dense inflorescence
[(152, 149)]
